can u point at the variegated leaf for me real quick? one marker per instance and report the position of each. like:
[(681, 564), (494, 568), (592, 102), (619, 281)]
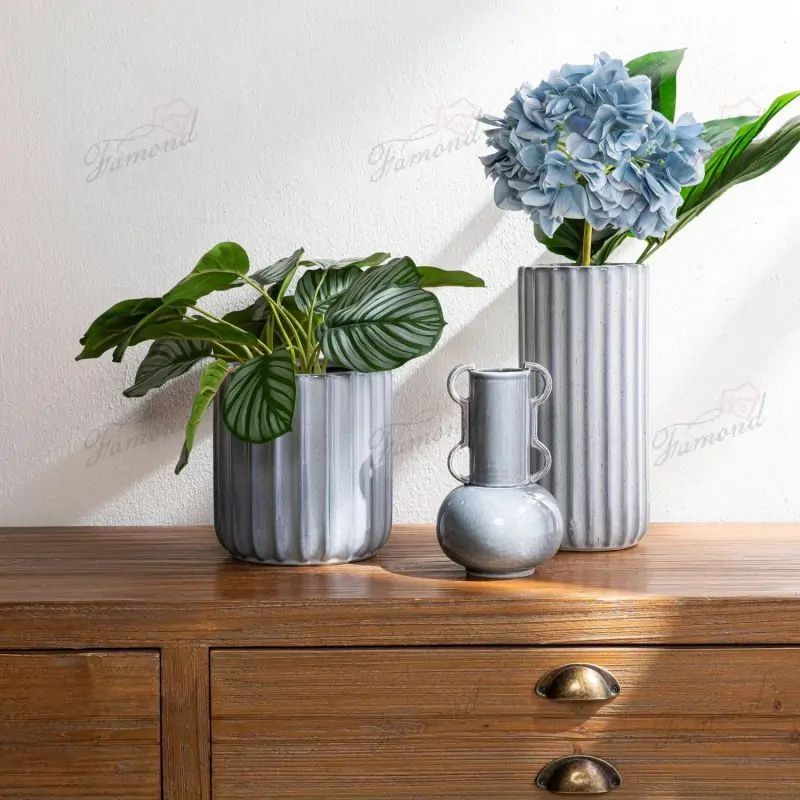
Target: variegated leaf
[(167, 359), (211, 378), (258, 401), (383, 330), (398, 272), (277, 272), (321, 287)]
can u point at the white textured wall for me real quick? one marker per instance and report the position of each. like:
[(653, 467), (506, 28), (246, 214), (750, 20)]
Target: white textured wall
[(296, 101)]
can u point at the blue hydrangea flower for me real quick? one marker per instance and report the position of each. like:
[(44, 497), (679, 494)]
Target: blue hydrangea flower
[(587, 144)]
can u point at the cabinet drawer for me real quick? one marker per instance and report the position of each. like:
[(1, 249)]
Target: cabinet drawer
[(79, 725), (468, 723)]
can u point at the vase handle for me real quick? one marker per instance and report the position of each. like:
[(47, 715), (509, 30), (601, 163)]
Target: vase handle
[(463, 402), (536, 401)]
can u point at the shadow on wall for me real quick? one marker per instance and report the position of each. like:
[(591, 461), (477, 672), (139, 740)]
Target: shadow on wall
[(116, 455), (424, 413), (111, 458)]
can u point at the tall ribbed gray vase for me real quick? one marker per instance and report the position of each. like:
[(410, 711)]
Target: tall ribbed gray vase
[(588, 326), (321, 494)]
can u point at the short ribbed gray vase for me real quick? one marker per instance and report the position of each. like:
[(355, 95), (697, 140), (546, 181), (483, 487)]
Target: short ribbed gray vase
[(320, 494), (589, 327), (500, 524)]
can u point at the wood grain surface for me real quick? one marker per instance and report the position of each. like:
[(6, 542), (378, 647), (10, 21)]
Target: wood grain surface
[(186, 750), (132, 587), (79, 725), (689, 724)]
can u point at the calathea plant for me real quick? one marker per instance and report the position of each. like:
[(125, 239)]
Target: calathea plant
[(593, 155), (363, 314)]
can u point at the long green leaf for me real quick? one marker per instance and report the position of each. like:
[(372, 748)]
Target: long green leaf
[(197, 328), (432, 277), (322, 286), (220, 268), (607, 245), (383, 330), (211, 378), (662, 69), (718, 132), (275, 273), (720, 168), (757, 159), (114, 325), (167, 359), (258, 401)]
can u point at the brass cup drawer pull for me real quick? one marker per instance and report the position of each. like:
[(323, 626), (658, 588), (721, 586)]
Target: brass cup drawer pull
[(579, 775), (578, 683)]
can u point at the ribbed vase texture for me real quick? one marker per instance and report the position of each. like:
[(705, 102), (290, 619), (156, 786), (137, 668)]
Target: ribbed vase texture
[(320, 494), (589, 328)]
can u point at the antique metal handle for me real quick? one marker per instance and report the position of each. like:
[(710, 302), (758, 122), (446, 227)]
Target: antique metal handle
[(579, 775), (578, 683)]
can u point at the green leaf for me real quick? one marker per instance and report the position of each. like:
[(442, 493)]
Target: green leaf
[(397, 272), (333, 283), (196, 328), (608, 244), (662, 69), (276, 272), (566, 241), (211, 378), (251, 318), (433, 276), (373, 260), (727, 167), (258, 401), (383, 330), (568, 238), (718, 132), (160, 314), (167, 359), (114, 325), (755, 160), (220, 268)]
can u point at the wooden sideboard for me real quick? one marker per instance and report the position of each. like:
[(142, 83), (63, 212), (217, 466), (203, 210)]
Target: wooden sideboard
[(145, 663)]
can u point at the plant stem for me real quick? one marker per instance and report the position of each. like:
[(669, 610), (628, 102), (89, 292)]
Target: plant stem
[(586, 249), (280, 315), (310, 343), (261, 348), (228, 351)]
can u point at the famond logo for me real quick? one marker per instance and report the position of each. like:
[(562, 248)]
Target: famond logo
[(171, 126), (454, 127), (740, 411), (746, 107)]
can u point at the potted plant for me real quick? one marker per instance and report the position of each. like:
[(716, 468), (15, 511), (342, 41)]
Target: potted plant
[(594, 157), (301, 386)]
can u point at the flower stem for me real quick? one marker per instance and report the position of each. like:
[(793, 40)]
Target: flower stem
[(586, 249)]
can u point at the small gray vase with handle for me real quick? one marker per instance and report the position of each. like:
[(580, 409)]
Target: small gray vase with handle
[(499, 524)]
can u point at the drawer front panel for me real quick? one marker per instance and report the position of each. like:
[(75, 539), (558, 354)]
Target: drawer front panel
[(79, 724), (467, 722)]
